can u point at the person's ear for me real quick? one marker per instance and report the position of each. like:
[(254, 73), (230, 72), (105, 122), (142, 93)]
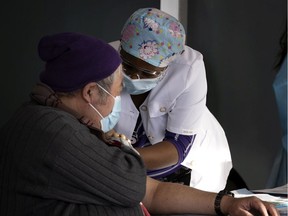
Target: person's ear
[(88, 91)]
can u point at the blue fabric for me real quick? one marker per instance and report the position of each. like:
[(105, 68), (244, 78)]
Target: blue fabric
[(278, 175), (280, 89), (182, 143), (153, 36)]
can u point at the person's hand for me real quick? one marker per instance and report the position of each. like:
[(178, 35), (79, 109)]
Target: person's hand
[(109, 134), (247, 206), (118, 139)]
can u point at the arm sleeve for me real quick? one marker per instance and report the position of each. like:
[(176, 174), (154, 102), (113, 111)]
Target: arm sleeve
[(183, 143)]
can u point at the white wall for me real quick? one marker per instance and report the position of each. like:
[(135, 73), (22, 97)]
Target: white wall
[(176, 8)]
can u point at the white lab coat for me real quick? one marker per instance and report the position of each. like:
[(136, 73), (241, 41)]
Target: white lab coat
[(178, 104)]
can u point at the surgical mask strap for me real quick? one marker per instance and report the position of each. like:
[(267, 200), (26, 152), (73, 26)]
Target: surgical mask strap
[(94, 107), (105, 90), (95, 110)]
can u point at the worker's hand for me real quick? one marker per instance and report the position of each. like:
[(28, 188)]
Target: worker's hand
[(120, 140)]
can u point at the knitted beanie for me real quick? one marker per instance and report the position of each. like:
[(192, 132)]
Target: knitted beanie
[(74, 59)]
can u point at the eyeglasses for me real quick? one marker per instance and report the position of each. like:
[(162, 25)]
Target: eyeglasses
[(141, 73)]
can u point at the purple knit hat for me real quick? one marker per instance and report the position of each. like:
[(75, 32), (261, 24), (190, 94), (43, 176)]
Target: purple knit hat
[(74, 59)]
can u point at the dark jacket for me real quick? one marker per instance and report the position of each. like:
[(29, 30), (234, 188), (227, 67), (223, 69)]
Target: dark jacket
[(51, 164)]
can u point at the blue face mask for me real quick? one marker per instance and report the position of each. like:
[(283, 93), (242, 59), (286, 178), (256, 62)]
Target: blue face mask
[(109, 122), (139, 86)]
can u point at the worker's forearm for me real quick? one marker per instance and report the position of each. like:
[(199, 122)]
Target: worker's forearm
[(158, 156)]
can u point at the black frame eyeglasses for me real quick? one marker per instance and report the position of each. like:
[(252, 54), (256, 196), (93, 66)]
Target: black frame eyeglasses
[(130, 69)]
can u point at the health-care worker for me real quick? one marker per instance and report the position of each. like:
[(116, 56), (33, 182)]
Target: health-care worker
[(164, 109)]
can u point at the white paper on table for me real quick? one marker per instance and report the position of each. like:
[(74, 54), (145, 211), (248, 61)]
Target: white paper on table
[(281, 190)]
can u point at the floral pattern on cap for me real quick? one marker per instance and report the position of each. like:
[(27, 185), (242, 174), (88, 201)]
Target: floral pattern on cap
[(153, 36), (148, 49)]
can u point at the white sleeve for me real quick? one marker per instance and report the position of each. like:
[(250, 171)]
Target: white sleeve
[(190, 104)]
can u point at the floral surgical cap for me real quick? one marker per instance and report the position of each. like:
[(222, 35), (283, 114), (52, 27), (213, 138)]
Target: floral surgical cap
[(153, 36)]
